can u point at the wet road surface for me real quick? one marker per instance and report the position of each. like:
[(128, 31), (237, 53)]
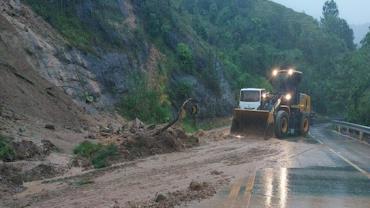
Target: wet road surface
[(333, 173)]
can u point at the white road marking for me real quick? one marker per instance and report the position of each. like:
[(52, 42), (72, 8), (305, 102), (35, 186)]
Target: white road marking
[(351, 163), (309, 133), (343, 158)]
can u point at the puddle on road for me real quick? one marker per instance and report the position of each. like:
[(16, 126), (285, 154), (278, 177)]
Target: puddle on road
[(296, 187), (306, 140), (313, 181)]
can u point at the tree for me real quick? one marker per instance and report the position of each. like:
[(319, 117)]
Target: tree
[(334, 25), (330, 9), (366, 41), (185, 56)]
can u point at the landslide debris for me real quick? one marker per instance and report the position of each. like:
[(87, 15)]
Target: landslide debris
[(133, 140), (11, 180), (42, 171), (24, 161), (195, 191), (11, 151), (12, 176), (139, 140)]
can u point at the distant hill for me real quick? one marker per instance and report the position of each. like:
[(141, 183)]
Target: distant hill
[(360, 31)]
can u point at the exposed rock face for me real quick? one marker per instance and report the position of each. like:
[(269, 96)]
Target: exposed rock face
[(211, 104)]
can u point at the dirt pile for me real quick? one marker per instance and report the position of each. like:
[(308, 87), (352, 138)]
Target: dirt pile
[(12, 176), (136, 140), (10, 180), (42, 171), (195, 191), (132, 140), (27, 150), (24, 161)]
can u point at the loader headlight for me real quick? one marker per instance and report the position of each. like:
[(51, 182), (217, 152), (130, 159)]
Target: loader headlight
[(288, 97), (290, 72), (275, 72), (264, 95)]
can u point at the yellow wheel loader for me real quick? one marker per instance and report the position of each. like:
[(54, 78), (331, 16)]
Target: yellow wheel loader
[(283, 112)]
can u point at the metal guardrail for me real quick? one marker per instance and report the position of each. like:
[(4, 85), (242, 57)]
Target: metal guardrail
[(354, 130)]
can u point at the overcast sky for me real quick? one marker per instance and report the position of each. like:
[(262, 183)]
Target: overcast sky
[(354, 11)]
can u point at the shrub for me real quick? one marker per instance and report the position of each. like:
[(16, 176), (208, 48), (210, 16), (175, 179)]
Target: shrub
[(189, 126), (182, 90), (87, 149), (145, 105), (97, 154), (186, 56), (144, 102), (7, 152), (100, 159)]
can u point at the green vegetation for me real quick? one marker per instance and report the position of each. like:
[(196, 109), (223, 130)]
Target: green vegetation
[(63, 19), (351, 89), (144, 102), (189, 126), (97, 154), (86, 30), (185, 56), (6, 150), (181, 90)]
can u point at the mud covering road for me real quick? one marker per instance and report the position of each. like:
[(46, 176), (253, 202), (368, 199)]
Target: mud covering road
[(224, 171)]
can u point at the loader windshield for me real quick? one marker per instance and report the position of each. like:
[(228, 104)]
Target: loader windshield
[(250, 96)]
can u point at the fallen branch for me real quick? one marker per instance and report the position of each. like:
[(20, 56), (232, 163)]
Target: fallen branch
[(178, 116)]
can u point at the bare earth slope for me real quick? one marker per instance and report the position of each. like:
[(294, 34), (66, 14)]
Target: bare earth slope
[(25, 97)]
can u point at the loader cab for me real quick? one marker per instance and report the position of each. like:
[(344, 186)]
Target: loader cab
[(251, 98)]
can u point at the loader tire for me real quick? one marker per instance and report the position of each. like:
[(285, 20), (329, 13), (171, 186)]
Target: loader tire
[(304, 126), (282, 124)]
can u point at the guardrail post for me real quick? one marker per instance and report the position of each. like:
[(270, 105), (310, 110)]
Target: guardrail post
[(360, 132), (361, 135)]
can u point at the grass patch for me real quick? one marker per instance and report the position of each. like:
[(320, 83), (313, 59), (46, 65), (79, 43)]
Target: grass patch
[(97, 154), (7, 152)]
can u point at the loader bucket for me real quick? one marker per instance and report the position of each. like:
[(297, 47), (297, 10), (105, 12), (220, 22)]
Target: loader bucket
[(252, 123)]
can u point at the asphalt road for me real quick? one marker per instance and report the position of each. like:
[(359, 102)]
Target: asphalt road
[(333, 173)]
